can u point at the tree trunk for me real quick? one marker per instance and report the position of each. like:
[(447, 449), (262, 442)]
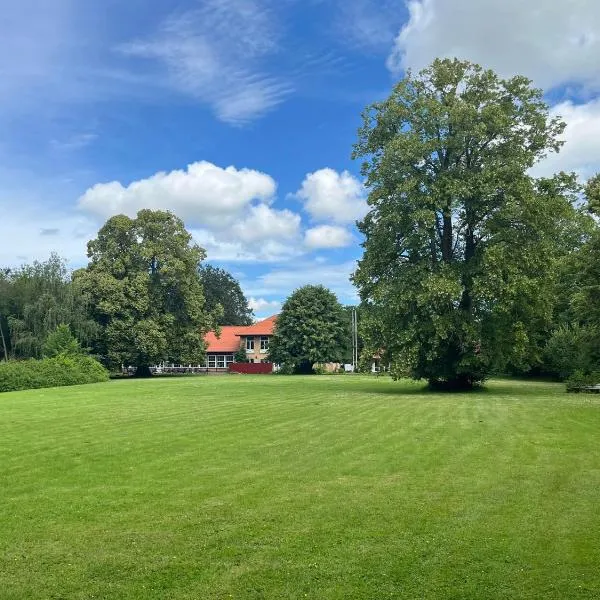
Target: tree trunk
[(143, 371), (447, 237), (459, 383), (466, 302), (304, 367), (3, 341)]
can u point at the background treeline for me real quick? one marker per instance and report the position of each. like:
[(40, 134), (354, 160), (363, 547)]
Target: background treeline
[(147, 297), (34, 300)]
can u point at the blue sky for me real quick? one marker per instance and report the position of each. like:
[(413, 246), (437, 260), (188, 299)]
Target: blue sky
[(240, 115)]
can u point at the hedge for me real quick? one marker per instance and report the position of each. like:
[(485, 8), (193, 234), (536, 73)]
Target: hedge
[(50, 372), (580, 381)]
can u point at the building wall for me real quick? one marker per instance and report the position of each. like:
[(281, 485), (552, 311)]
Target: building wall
[(255, 355)]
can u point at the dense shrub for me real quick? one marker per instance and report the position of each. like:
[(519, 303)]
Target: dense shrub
[(61, 342), (579, 380), (240, 356), (572, 348), (50, 372)]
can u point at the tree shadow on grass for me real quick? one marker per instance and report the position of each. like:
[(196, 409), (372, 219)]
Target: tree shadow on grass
[(501, 387), (403, 388)]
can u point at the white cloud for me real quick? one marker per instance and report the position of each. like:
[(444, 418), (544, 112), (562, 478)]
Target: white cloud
[(203, 194), (281, 282), (549, 41), (327, 236), (581, 152), (368, 25), (227, 210), (214, 54), (260, 306), (329, 195), (220, 247), (264, 223)]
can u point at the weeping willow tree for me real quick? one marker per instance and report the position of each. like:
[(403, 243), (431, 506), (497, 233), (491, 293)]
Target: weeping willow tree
[(4, 286), (35, 300)]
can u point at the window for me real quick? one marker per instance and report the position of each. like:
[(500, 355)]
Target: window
[(264, 343), (249, 344), (219, 361)]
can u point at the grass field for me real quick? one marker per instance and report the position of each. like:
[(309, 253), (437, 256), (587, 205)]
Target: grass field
[(291, 487)]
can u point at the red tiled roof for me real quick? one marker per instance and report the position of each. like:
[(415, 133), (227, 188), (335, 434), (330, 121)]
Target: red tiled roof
[(264, 327), (229, 340)]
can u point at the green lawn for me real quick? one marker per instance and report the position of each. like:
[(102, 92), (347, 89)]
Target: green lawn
[(291, 487)]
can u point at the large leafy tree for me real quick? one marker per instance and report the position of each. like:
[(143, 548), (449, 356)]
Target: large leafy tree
[(143, 284), (4, 293), (586, 299), (222, 289), (461, 242), (311, 328), (575, 344), (34, 300)]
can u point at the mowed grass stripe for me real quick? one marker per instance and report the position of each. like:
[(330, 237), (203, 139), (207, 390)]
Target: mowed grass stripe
[(285, 487)]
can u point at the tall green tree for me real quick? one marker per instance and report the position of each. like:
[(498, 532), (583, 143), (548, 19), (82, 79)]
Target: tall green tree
[(142, 281), (61, 342), (586, 299), (34, 300), (311, 328), (4, 295), (575, 343), (592, 193), (460, 241), (222, 289)]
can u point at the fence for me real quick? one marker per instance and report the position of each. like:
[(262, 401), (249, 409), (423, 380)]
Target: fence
[(251, 368)]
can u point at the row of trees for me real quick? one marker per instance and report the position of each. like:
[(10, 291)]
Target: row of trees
[(34, 300), (144, 297), (472, 265)]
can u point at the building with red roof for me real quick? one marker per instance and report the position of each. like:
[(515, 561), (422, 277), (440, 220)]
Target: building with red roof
[(254, 339)]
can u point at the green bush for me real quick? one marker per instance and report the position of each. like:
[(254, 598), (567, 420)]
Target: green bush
[(572, 348), (580, 380), (50, 372), (240, 356), (61, 342)]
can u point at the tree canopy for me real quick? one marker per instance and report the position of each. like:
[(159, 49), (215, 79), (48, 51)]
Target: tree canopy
[(222, 289), (145, 291), (575, 343), (34, 300), (461, 242), (61, 342), (311, 328)]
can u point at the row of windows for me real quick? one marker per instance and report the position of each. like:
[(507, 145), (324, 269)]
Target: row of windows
[(264, 343), (222, 361), (219, 361)]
